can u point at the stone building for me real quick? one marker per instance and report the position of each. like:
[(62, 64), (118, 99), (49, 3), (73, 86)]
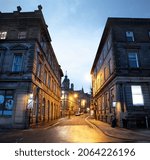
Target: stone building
[(30, 75), (121, 73), (73, 101)]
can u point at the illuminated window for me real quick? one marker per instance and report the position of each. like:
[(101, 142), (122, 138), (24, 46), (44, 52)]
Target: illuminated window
[(137, 96), (17, 63), (133, 60), (130, 36), (3, 35)]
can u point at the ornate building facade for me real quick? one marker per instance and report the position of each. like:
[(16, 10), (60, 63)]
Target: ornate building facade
[(121, 73), (30, 75), (73, 101)]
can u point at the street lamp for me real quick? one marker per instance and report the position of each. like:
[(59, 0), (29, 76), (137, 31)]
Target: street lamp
[(28, 109), (113, 119), (75, 95), (114, 103)]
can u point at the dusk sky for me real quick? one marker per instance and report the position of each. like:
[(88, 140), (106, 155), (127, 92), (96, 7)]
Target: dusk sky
[(76, 26)]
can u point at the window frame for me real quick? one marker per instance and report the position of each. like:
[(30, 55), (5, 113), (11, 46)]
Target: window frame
[(13, 64), (130, 59), (22, 35), (130, 36), (45, 77), (49, 81), (39, 68)]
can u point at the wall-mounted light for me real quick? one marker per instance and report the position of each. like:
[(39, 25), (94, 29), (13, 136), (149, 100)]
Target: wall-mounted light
[(114, 104)]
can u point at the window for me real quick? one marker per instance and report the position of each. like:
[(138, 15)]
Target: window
[(39, 67), (109, 67), (3, 35), (52, 85), (49, 81), (137, 96), (133, 60), (105, 73), (130, 36), (45, 77), (6, 102), (17, 63), (22, 35)]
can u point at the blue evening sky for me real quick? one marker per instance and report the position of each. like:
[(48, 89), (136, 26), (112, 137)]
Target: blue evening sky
[(76, 26)]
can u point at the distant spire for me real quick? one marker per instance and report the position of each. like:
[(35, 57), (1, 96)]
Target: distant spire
[(66, 82), (66, 73), (82, 90)]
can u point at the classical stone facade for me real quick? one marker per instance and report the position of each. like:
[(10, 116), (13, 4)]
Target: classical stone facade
[(30, 76), (121, 73), (73, 101)]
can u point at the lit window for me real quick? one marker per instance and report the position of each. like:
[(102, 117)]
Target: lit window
[(137, 96), (17, 63), (129, 36), (22, 35), (133, 60), (3, 35)]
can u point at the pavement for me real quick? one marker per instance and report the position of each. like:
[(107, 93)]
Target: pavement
[(139, 135), (131, 135), (34, 126)]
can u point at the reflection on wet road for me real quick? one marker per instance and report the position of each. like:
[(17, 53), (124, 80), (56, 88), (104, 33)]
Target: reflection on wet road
[(78, 133), (74, 130)]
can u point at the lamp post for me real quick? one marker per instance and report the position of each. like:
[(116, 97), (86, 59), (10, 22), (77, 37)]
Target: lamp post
[(113, 120), (114, 103)]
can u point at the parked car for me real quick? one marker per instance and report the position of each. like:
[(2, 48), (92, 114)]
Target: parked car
[(77, 114)]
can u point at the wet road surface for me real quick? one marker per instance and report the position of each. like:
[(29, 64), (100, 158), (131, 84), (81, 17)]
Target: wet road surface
[(73, 130)]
